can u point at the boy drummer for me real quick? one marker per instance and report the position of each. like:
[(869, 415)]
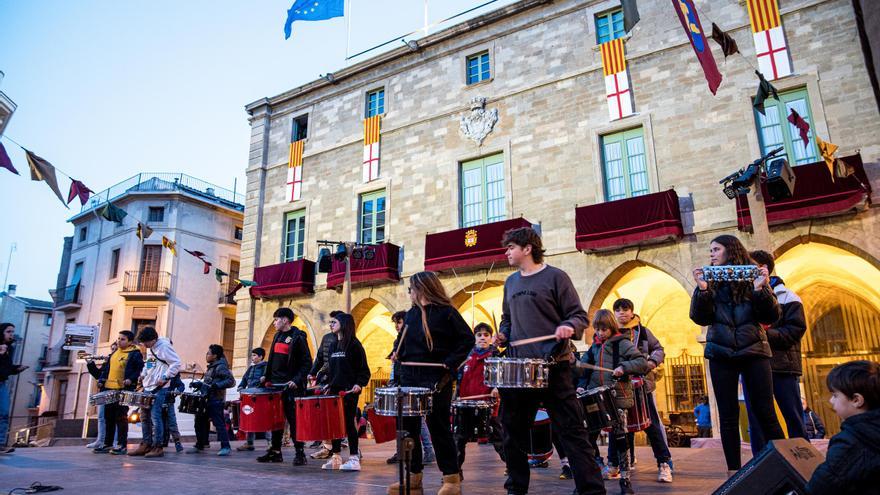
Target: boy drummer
[(541, 301)]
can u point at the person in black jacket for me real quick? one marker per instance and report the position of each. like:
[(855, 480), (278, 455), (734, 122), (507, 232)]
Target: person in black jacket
[(120, 372), (7, 369), (736, 344), (434, 332), (318, 376), (852, 463), (813, 425), (214, 384), (289, 363), (251, 379), (784, 337), (347, 371)]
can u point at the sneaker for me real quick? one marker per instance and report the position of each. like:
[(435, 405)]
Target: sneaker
[(610, 472), (245, 448), (271, 456), (178, 447), (101, 450), (335, 462), (566, 473), (393, 459), (626, 487), (94, 445), (195, 450), (299, 459), (352, 464), (664, 473), (119, 451), (225, 451), (156, 452), (321, 454), (7, 450)]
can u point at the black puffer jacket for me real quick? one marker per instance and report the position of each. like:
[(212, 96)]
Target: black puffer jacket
[(785, 335), (852, 463), (217, 379), (734, 329)]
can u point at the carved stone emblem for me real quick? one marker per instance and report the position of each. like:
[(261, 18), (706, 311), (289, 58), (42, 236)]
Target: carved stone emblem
[(479, 122)]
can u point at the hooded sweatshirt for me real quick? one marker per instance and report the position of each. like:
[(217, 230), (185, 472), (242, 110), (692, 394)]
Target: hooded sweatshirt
[(162, 364), (852, 463), (121, 365), (647, 344)]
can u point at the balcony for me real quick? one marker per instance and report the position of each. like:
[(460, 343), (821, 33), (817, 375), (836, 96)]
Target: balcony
[(68, 298), (469, 247), (637, 221), (58, 360), (380, 267), (224, 299), (284, 280), (146, 285), (164, 183)]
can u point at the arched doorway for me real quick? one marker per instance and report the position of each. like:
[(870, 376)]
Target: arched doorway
[(663, 306), (376, 332), (481, 303), (840, 291), (297, 322)]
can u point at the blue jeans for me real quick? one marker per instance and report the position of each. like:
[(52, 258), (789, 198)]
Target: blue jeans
[(102, 427), (5, 404), (203, 427), (787, 392), (156, 417), (425, 436)]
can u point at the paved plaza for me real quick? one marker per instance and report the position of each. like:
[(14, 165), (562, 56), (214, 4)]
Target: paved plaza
[(78, 471)]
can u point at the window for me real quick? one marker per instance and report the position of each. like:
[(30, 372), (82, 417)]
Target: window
[(609, 26), (47, 320), (294, 235), (482, 190), (375, 102), (83, 233), (114, 264), (106, 326), (300, 128), (774, 130), (624, 164), (373, 217), (478, 67), (157, 214), (239, 234)]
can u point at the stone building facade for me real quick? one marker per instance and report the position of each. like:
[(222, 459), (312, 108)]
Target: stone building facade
[(552, 140)]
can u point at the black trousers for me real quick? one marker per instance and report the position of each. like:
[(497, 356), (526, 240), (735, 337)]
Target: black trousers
[(287, 399), (518, 409), (495, 438), (349, 412), (116, 423), (757, 378), (440, 428), (203, 422)]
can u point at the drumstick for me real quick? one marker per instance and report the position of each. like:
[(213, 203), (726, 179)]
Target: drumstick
[(531, 340), (593, 367), (472, 397), (416, 363)]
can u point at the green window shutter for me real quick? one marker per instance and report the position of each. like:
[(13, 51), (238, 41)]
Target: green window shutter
[(372, 224), (482, 191), (294, 235), (609, 26), (774, 130), (625, 165)]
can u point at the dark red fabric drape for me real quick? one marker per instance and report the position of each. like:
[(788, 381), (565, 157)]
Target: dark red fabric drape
[(626, 222), (383, 267), (284, 279), (474, 246)]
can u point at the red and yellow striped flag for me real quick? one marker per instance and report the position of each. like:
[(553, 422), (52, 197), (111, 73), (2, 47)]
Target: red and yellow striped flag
[(763, 14), (296, 153), (613, 60), (371, 129)]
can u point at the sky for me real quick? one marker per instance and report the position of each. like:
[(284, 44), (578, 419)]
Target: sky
[(107, 89)]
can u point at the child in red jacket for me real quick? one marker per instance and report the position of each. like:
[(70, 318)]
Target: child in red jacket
[(471, 384)]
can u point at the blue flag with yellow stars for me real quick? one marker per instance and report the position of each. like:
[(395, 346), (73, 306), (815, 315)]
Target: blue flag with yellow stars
[(312, 10)]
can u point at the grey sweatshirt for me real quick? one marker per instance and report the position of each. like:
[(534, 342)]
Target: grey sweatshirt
[(535, 305)]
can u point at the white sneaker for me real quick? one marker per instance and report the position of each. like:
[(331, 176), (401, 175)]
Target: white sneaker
[(94, 445), (335, 462), (664, 473), (324, 453), (352, 464)]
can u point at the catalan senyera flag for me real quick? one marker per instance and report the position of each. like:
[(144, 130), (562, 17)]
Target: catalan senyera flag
[(770, 46), (617, 91), (294, 170), (372, 126)]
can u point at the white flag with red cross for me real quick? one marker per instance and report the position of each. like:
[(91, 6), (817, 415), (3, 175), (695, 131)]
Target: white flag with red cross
[(294, 171), (770, 46), (617, 90), (371, 148)]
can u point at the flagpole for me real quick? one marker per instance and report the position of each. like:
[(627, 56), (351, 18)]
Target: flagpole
[(347, 28), (426, 18)]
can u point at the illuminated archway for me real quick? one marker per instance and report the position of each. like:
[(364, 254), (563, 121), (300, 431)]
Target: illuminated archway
[(376, 332), (297, 322), (840, 290), (480, 303), (663, 306)]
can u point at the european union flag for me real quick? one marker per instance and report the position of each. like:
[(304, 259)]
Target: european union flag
[(313, 10)]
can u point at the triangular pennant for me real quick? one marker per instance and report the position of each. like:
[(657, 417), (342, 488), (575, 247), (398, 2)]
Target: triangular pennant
[(235, 289), (827, 150), (801, 124), (44, 171), (171, 245), (197, 254), (630, 14), (207, 268), (219, 274), (765, 90), (113, 214), (78, 189), (246, 283), (5, 161), (143, 231), (727, 43)]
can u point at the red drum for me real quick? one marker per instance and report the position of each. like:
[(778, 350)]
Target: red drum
[(384, 427), (540, 438), (319, 418), (637, 417), (261, 410)]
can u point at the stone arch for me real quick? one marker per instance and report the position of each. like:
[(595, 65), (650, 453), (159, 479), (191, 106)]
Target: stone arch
[(301, 322), (480, 302), (824, 239)]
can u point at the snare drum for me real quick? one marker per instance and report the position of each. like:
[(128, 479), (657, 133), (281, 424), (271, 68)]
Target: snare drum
[(384, 427), (105, 397), (416, 401), (470, 419), (319, 418), (516, 373), (637, 417), (137, 399), (598, 408), (261, 410), (540, 437), (193, 403)]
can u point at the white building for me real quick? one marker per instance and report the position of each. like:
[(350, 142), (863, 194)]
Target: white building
[(111, 278), (7, 108)]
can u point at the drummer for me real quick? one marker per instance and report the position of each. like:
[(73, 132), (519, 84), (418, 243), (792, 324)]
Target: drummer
[(471, 384), (161, 369), (541, 301), (120, 372), (347, 371), (213, 385), (615, 351), (251, 379), (433, 332)]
